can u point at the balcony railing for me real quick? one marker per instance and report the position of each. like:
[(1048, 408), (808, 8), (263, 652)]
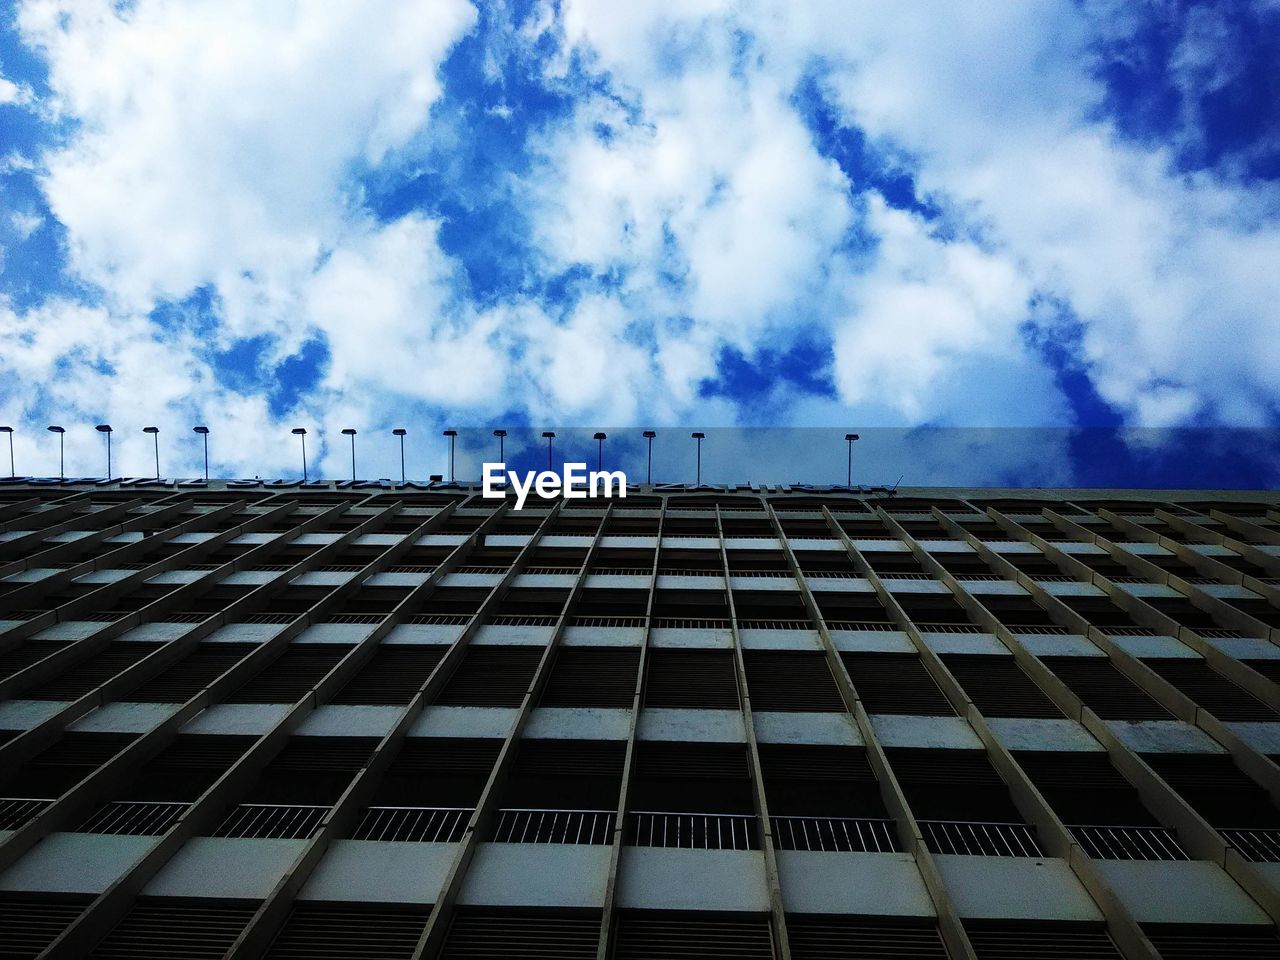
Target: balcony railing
[(949, 628), (860, 625), (984, 839), (846, 834), (16, 811), (518, 620), (521, 825), (680, 572), (134, 818), (413, 824), (691, 623), (1259, 844), (1128, 843), (606, 621), (693, 831), (750, 624), (620, 571), (272, 821)]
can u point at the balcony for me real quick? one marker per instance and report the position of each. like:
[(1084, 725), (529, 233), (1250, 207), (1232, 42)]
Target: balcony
[(693, 831)]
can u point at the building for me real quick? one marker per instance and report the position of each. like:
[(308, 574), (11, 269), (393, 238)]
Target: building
[(340, 723)]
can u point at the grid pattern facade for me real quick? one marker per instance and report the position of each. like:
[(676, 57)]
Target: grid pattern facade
[(326, 723)]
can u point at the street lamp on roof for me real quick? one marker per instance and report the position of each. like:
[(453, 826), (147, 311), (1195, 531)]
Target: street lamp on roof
[(62, 460), (155, 435), (351, 432), (9, 431), (501, 435), (699, 437), (849, 438), (301, 434), (204, 432), (550, 436), (649, 435), (400, 432), (106, 428), (600, 438), (453, 439)]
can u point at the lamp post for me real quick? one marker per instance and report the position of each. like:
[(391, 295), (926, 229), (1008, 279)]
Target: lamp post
[(301, 434), (649, 435), (106, 428), (453, 439), (400, 432), (155, 435), (699, 437), (849, 438), (600, 438), (550, 435), (204, 432), (62, 462), (501, 435), (9, 431), (351, 432)]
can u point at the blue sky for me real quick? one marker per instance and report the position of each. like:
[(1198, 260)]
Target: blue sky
[(1058, 216)]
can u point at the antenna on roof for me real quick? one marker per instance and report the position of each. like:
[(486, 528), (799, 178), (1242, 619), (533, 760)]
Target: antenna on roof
[(894, 491)]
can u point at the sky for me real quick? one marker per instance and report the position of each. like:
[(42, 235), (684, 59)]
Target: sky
[(1055, 223)]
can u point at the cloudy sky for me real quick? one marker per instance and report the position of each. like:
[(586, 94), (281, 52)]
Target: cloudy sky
[(1058, 214)]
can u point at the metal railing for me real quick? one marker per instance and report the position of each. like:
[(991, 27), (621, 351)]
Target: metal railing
[(447, 619), (903, 576), (775, 624), (949, 628), (413, 824), (691, 623), (1258, 844), (354, 618), (272, 821), (517, 620), (846, 834), (526, 825), (860, 625), (1129, 631), (1128, 843), (693, 831), (552, 571), (1033, 629), (984, 839), (606, 621), (620, 571), (1218, 633), (134, 818), (410, 568), (475, 568), (831, 574), (16, 811), (777, 574), (678, 572)]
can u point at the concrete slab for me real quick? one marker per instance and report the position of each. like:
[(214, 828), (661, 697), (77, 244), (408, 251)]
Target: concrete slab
[(380, 872), (938, 733), (1015, 888), (75, 863), (1179, 891), (837, 729), (658, 878), (578, 723), (1028, 733), (225, 867), (538, 875), (464, 722), (1163, 736), (715, 726), (878, 884)]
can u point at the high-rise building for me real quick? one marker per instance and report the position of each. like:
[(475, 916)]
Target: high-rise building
[(256, 721)]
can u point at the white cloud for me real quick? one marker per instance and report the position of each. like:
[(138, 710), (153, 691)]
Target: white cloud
[(13, 94), (216, 137)]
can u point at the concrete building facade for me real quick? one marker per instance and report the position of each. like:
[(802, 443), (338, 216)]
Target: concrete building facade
[(326, 722)]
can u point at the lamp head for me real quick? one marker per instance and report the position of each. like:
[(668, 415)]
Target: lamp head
[(6, 429), (55, 429), (436, 478), (150, 429), (649, 434), (450, 433), (200, 430), (851, 436), (349, 432), (548, 434), (600, 436), (698, 436), (299, 431), (499, 433), (103, 428), (399, 431)]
